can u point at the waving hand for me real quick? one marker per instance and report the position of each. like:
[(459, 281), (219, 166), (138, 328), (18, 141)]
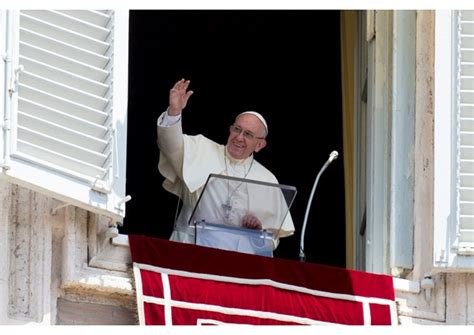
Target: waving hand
[(179, 97)]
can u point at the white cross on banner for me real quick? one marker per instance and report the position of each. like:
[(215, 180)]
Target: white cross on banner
[(185, 284)]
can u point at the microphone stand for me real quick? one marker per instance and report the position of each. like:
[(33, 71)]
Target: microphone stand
[(332, 157)]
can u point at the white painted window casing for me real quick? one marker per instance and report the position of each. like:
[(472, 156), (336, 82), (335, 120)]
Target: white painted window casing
[(454, 141), (402, 119), (66, 105)]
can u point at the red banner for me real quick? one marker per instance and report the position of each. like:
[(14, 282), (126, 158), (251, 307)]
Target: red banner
[(184, 284)]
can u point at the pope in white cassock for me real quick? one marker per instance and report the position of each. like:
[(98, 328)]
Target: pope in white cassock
[(186, 162)]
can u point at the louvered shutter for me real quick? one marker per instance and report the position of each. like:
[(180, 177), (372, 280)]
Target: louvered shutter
[(67, 105), (465, 125), (454, 141)]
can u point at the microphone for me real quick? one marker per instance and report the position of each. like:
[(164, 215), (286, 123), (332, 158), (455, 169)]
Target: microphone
[(332, 156)]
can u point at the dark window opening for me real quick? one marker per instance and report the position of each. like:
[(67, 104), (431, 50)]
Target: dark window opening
[(283, 64)]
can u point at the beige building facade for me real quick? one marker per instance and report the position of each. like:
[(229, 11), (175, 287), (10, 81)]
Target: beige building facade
[(62, 260)]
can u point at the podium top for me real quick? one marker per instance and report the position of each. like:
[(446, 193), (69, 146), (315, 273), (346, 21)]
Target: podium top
[(226, 200)]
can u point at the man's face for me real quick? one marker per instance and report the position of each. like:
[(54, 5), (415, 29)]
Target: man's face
[(246, 136)]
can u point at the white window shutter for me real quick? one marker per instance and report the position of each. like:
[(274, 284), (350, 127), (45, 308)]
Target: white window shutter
[(67, 105), (465, 126), (454, 141)]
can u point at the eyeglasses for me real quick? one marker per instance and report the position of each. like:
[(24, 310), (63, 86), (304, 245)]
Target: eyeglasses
[(247, 134)]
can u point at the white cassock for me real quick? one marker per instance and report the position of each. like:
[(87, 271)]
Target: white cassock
[(191, 159)]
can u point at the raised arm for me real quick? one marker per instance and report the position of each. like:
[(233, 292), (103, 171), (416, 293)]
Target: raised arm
[(179, 97), (170, 137)]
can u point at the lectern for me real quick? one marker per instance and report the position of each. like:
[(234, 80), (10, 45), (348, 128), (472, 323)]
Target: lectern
[(226, 202)]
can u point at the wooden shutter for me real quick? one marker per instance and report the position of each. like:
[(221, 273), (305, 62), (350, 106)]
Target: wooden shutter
[(454, 141), (465, 127), (67, 100)]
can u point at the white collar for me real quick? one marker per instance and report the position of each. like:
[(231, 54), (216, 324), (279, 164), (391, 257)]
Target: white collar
[(234, 161)]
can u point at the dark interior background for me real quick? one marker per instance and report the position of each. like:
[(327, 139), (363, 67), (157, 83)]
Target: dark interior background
[(283, 64)]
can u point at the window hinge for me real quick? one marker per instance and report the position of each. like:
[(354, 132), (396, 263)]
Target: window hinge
[(5, 167), (14, 80)]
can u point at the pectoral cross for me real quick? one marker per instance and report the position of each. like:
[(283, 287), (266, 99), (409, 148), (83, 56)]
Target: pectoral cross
[(227, 209)]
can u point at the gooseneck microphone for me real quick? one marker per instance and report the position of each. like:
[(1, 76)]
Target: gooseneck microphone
[(332, 156)]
